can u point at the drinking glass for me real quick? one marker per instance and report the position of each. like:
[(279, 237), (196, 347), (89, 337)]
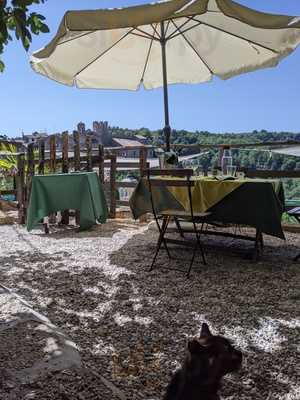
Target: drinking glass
[(231, 170), (240, 175), (194, 165)]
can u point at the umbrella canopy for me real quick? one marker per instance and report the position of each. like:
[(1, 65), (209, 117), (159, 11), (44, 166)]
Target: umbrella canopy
[(178, 41)]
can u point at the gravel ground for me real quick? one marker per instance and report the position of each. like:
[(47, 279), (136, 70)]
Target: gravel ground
[(71, 384), (131, 326)]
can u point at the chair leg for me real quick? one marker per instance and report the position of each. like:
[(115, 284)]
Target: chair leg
[(160, 228), (160, 241), (200, 245), (192, 261), (164, 227), (197, 246), (179, 227), (164, 240)]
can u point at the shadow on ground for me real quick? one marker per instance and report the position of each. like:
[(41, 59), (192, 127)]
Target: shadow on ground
[(108, 230), (132, 325)]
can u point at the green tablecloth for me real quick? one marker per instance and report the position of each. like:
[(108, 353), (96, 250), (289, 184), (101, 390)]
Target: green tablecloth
[(58, 192), (254, 202)]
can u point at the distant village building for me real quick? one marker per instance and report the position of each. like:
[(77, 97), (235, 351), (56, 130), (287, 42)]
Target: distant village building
[(125, 145), (100, 134), (34, 138)]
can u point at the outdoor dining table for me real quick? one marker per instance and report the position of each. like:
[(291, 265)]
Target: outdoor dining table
[(256, 203), (58, 192)]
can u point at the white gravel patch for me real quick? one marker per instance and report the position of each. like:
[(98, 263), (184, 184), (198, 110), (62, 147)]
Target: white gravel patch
[(132, 325)]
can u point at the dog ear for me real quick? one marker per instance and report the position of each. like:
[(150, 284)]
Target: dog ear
[(205, 332)]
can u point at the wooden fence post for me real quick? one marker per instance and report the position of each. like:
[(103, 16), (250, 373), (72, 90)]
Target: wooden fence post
[(143, 159), (65, 169), (89, 163), (41, 167), (101, 163), (113, 188), (76, 138), (29, 173), (65, 152), (21, 188), (53, 154), (52, 217), (143, 166)]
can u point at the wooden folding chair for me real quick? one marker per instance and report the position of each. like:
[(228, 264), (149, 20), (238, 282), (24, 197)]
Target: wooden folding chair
[(167, 178)]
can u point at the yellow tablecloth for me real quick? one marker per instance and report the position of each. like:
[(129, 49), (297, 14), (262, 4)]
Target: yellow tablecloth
[(208, 191)]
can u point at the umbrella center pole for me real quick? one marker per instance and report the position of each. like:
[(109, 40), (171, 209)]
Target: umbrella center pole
[(167, 128)]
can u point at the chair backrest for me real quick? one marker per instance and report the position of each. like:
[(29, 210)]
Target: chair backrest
[(167, 178), (168, 172)]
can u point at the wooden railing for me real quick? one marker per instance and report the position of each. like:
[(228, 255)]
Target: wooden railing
[(38, 160), (265, 174), (273, 144)]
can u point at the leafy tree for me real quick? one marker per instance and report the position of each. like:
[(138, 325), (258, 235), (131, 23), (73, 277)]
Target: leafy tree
[(288, 165), (16, 18), (8, 163)]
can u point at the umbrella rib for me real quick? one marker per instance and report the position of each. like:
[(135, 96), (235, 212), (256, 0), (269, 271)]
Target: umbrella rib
[(174, 34), (147, 35), (193, 48), (156, 31), (237, 36), (143, 36), (77, 37), (167, 27), (147, 59), (104, 52)]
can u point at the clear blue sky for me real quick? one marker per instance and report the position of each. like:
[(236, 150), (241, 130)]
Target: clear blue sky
[(267, 99)]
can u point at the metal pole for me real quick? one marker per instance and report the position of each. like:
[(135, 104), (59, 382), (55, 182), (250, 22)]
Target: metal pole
[(167, 128)]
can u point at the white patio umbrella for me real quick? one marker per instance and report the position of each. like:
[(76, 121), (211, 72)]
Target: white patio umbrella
[(178, 41)]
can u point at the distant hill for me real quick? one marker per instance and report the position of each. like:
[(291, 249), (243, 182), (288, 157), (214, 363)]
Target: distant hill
[(187, 137)]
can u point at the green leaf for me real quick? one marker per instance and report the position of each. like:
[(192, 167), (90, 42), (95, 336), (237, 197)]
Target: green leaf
[(44, 28), (40, 17), (27, 40), (2, 66), (15, 17)]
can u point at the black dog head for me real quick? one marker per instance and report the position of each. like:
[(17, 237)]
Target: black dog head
[(211, 357)]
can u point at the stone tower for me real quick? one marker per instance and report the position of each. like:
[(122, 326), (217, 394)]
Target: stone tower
[(102, 133), (81, 128)]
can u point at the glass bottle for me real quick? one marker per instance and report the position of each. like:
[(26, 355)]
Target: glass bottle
[(226, 159)]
